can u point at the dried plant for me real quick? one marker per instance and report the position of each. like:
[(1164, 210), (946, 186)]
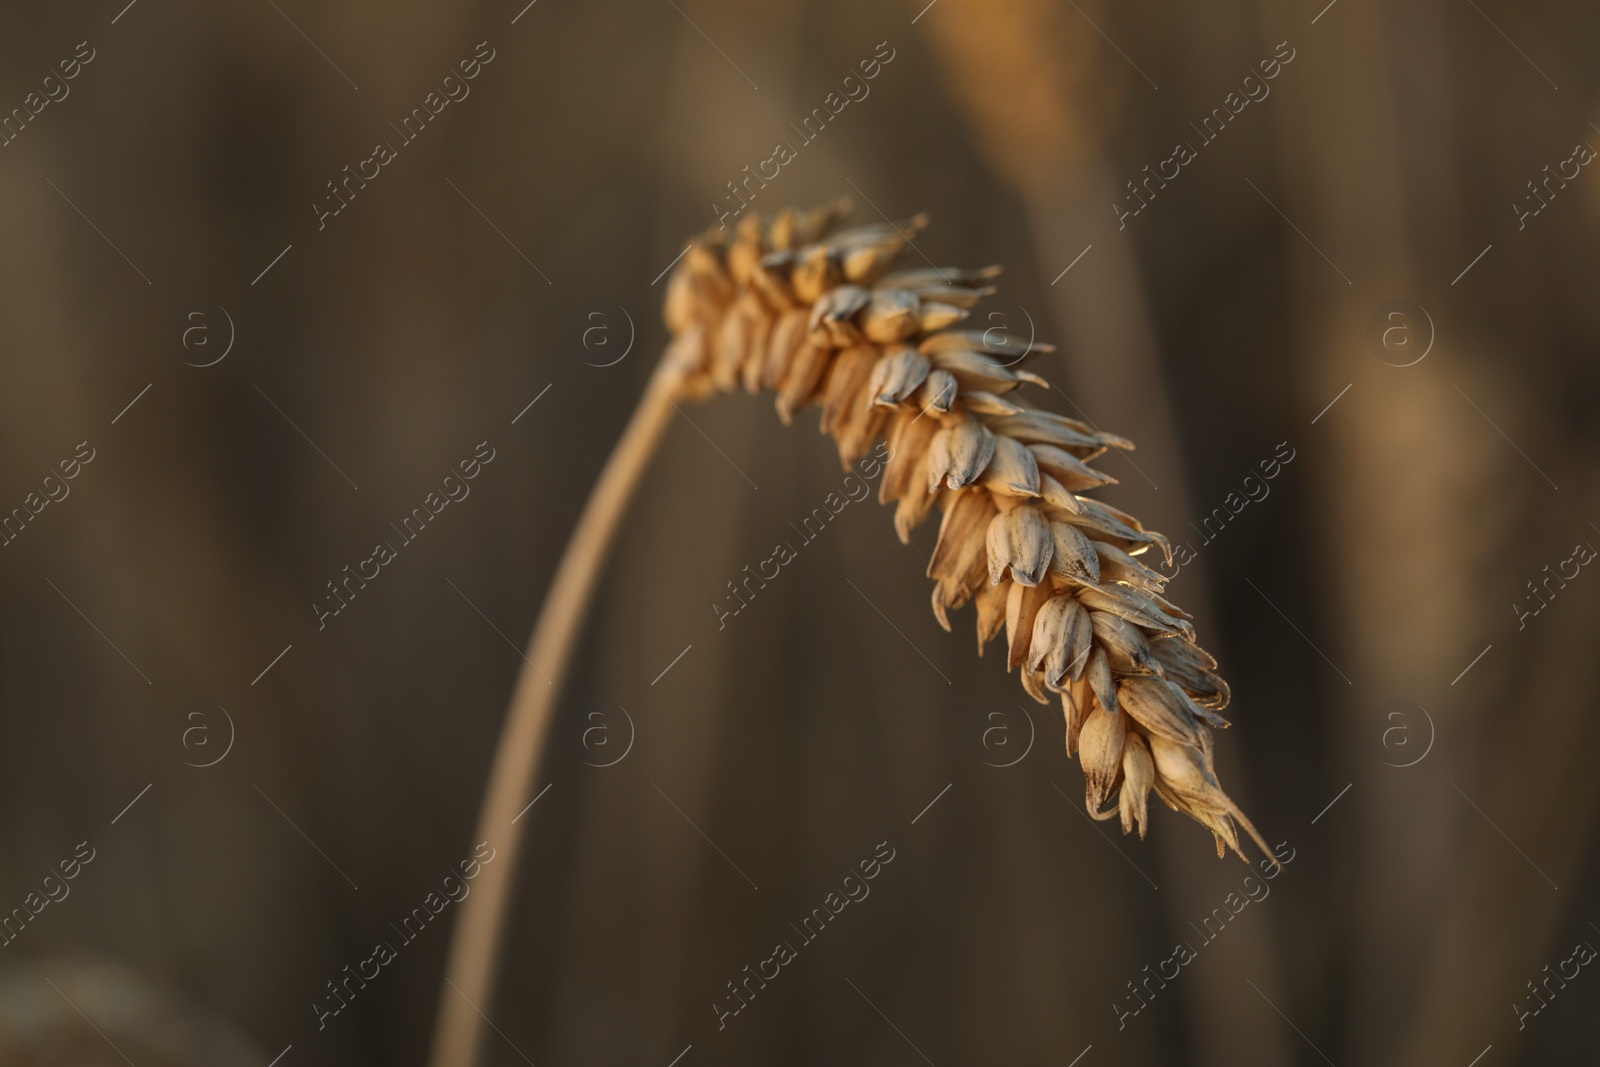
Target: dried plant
[(818, 314)]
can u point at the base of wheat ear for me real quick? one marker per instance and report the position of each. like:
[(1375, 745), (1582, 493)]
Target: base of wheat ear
[(819, 314)]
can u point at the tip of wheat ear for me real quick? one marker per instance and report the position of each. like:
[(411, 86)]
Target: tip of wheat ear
[(796, 304)]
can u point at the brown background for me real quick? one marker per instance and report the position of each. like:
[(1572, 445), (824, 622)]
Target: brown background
[(409, 330)]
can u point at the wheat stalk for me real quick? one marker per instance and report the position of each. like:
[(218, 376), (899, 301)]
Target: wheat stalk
[(796, 305)]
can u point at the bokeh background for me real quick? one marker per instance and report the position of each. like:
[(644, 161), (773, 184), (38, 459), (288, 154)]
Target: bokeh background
[(1366, 612)]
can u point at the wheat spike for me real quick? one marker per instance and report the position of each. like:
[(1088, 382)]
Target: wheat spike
[(796, 304)]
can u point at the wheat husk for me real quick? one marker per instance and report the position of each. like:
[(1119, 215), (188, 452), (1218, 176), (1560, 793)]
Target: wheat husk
[(795, 304)]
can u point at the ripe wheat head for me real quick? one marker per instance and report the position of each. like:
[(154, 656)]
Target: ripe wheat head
[(819, 314)]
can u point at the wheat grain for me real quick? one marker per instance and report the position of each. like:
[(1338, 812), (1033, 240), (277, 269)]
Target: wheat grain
[(795, 304)]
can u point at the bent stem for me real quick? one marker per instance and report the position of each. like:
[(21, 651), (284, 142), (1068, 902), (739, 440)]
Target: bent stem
[(475, 945)]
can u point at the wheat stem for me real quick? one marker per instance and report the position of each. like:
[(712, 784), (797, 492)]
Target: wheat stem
[(795, 304), (479, 930)]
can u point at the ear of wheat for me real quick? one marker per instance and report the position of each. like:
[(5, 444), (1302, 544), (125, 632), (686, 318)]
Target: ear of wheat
[(795, 304), (819, 314)]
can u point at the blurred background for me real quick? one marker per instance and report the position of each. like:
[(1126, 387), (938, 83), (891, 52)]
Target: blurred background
[(267, 791)]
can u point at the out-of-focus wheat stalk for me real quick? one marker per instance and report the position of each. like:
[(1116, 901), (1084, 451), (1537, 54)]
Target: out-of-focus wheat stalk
[(475, 943), (795, 305)]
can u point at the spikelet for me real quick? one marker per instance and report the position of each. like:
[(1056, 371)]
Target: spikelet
[(797, 305)]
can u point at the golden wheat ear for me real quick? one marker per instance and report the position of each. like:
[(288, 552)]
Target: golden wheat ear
[(800, 306), (797, 305)]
